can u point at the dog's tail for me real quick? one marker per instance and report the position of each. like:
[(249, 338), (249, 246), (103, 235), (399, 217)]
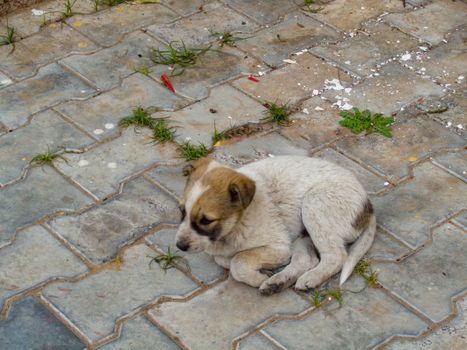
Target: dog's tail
[(358, 250)]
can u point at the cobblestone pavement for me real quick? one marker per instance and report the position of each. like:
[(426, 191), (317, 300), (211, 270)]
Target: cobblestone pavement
[(77, 236)]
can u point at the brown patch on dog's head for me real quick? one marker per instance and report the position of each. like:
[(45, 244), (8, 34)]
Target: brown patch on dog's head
[(228, 193), (363, 218)]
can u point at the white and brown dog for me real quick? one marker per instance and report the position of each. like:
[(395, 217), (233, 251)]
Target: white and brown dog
[(261, 216)]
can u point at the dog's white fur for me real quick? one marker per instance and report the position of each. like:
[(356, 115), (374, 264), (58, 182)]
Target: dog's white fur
[(293, 195)]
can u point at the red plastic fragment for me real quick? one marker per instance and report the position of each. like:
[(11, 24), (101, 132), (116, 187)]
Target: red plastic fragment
[(252, 78), (166, 81)]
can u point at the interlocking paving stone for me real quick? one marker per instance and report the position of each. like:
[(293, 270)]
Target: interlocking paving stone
[(106, 68), (47, 131), (96, 302), (31, 53), (211, 69), (103, 168), (387, 93), (452, 335), (347, 15), (295, 33), (51, 85), (256, 342), (412, 140), (431, 277), (4, 80), (109, 26), (31, 326), (197, 30), (170, 177), (370, 181), (228, 318), (43, 192), (293, 82), (445, 63), (26, 23), (431, 23), (185, 7), (461, 220), (255, 148), (409, 210), (232, 108), (385, 247), (454, 162), (316, 127), (139, 333), (101, 115), (455, 118), (201, 265), (364, 320), (364, 51), (34, 257), (263, 11), (99, 232)]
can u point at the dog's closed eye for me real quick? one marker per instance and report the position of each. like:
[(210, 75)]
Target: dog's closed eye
[(182, 211), (205, 221)]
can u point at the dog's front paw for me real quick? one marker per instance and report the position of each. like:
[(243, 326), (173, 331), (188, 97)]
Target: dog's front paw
[(307, 281), (270, 288)]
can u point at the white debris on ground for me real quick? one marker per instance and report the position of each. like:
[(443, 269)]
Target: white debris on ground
[(405, 57), (36, 12), (287, 60), (333, 84)]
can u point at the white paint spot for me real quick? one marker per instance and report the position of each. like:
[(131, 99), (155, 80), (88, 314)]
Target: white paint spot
[(306, 111), (333, 84), (448, 124), (98, 131), (271, 155), (318, 108), (459, 126), (460, 77), (37, 12), (315, 92), (386, 183), (83, 162), (6, 81), (423, 48), (111, 165), (289, 61), (406, 57), (109, 126), (347, 62)]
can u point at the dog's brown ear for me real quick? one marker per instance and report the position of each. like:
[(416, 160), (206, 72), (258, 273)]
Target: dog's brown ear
[(200, 163), (242, 190)]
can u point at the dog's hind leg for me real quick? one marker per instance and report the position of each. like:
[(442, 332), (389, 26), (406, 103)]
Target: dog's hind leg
[(326, 217), (303, 259)]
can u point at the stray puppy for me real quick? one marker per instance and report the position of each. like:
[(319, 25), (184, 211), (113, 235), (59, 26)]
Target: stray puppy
[(262, 216)]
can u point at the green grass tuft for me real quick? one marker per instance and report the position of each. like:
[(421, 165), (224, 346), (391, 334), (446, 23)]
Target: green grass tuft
[(365, 270), (113, 2), (9, 37), (162, 131), (45, 158), (192, 152), (226, 38), (317, 298), (359, 121), (143, 70), (170, 260), (140, 117), (177, 55), (277, 114), (68, 12)]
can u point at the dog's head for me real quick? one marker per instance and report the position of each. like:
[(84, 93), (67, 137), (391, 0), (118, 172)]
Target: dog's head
[(214, 200)]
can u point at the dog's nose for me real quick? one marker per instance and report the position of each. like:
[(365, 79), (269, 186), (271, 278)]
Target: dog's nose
[(183, 246)]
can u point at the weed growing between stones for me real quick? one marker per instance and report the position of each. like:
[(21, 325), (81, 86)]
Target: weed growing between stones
[(226, 38), (140, 117), (363, 269), (46, 158), (143, 70), (162, 131), (9, 36), (170, 260), (192, 152), (359, 121), (276, 113), (178, 56), (113, 2), (68, 12)]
